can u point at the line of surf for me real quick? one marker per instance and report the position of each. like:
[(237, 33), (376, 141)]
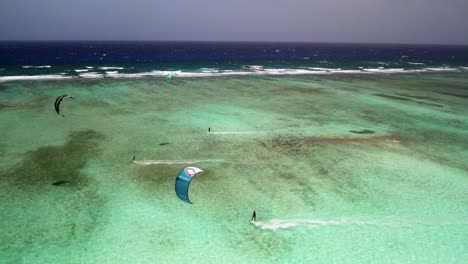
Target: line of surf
[(215, 73), (91, 75), (33, 77), (111, 68), (284, 71), (36, 67)]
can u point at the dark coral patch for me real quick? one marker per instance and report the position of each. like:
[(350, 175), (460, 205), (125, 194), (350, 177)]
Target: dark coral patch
[(53, 163), (456, 95), (38, 212), (364, 131), (296, 145), (59, 183), (401, 98), (393, 97)]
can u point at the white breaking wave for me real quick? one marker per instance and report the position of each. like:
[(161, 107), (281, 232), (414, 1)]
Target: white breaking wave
[(209, 70), (91, 75), (416, 63), (111, 68), (288, 71), (383, 70), (323, 69), (441, 69), (348, 71), (253, 67), (89, 67), (276, 224), (38, 67), (115, 74), (32, 77)]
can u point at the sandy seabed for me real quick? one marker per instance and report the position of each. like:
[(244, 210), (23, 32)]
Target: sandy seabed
[(340, 169)]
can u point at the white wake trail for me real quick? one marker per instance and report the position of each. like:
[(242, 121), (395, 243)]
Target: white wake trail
[(237, 132), (276, 224), (169, 162), (194, 161)]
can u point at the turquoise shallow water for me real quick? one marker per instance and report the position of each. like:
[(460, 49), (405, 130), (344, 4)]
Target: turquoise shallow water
[(282, 146)]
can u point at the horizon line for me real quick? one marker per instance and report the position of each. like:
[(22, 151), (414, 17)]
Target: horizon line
[(250, 41)]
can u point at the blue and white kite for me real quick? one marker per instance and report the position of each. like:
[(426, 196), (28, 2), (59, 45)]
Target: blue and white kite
[(183, 181)]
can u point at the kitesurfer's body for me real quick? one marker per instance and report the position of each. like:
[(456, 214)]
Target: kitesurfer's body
[(254, 216)]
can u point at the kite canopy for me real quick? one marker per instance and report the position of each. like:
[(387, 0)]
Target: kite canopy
[(58, 101), (183, 181)]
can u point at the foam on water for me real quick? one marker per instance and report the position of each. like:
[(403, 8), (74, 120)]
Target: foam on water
[(253, 67), (111, 68), (32, 77), (36, 67), (324, 69), (283, 71), (256, 70), (115, 74), (392, 70), (209, 70), (91, 75), (447, 69)]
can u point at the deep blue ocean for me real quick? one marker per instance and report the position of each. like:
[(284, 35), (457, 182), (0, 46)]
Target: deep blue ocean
[(122, 59)]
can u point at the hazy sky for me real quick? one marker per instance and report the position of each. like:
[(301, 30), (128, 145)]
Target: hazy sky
[(387, 21)]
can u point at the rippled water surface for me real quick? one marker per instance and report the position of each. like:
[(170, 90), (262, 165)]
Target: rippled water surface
[(344, 168)]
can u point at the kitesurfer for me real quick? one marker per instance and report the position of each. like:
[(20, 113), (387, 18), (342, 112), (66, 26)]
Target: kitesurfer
[(169, 76), (209, 129), (254, 216)]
